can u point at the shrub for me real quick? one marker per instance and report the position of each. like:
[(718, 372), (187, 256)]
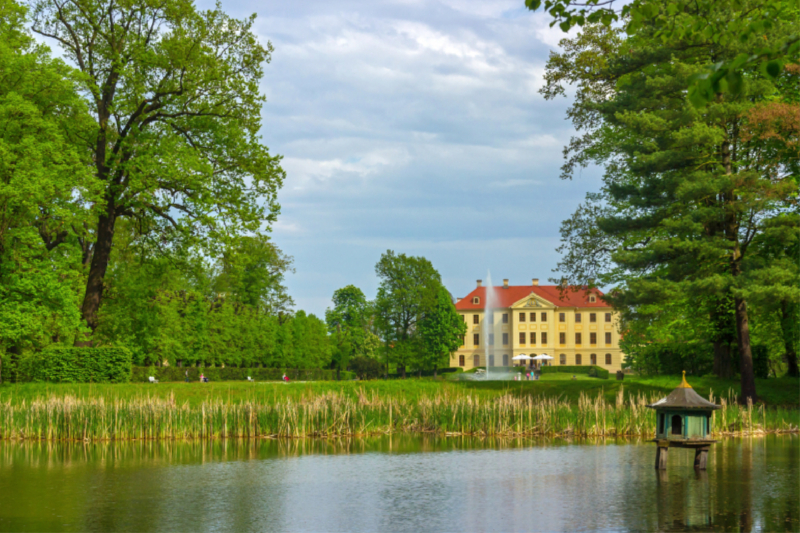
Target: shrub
[(590, 370), (366, 367), (176, 373), (77, 365)]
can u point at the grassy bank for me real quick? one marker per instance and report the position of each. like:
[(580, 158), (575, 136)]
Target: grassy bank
[(245, 410), (783, 392)]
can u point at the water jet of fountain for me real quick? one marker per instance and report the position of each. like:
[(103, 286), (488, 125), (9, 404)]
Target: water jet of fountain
[(490, 301)]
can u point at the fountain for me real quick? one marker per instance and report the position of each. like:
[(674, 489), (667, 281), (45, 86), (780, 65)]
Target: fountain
[(488, 322)]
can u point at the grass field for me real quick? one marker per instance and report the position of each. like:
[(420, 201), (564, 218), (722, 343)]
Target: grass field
[(784, 392)]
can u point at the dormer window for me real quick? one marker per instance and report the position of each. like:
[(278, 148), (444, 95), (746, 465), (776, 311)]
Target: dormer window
[(592, 299), (476, 300)]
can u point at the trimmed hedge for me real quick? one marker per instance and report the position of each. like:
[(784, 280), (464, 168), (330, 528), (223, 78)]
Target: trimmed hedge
[(77, 365), (427, 373), (176, 373), (592, 370)]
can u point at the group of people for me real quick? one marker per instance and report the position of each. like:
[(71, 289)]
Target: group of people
[(528, 376), (204, 379)]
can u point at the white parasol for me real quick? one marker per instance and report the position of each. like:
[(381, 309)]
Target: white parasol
[(542, 357), (521, 357)]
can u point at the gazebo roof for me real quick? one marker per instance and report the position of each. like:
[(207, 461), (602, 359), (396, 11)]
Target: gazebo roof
[(684, 397)]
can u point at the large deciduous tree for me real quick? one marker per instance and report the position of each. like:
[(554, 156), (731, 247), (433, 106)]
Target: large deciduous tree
[(174, 94), (46, 184), (442, 329), (408, 289)]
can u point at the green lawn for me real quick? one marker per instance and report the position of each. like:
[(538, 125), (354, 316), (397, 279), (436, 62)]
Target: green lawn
[(782, 391)]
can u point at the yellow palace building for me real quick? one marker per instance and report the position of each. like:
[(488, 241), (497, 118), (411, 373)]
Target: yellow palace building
[(573, 327)]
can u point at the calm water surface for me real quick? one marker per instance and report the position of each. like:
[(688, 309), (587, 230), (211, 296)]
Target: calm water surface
[(399, 483)]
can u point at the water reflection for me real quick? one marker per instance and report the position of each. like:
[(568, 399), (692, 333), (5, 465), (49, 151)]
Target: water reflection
[(397, 483)]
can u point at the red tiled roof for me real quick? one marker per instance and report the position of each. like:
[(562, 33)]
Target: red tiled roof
[(507, 296)]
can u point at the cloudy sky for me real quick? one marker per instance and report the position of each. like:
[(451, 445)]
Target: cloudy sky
[(416, 126)]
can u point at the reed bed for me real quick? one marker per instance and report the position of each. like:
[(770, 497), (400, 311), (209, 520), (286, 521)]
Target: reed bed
[(332, 414)]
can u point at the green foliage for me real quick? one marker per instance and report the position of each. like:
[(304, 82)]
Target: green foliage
[(686, 193), (46, 185), (141, 374), (77, 365), (442, 329), (366, 367), (592, 370), (409, 288), (746, 23), (174, 92)]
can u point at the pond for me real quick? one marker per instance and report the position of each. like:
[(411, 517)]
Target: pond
[(398, 483)]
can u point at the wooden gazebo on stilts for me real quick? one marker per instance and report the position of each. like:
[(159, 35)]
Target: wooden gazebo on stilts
[(683, 420)]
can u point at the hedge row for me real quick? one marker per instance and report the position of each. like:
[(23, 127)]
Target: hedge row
[(77, 365), (592, 370), (175, 373)]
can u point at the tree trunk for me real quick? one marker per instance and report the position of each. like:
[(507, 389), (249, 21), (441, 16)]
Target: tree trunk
[(789, 329), (435, 371), (97, 271), (722, 359), (745, 352), (403, 370)]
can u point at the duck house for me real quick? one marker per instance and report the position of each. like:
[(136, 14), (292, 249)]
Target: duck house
[(683, 420)]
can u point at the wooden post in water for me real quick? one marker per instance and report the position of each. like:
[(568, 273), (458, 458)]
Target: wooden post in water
[(662, 452)]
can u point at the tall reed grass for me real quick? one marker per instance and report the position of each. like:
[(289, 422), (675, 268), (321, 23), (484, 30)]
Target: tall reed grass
[(332, 414)]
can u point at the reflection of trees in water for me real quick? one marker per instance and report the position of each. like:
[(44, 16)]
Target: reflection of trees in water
[(751, 484)]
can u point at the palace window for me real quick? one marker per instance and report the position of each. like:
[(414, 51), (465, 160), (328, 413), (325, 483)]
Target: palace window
[(562, 359), (533, 338), (505, 359), (577, 359), (476, 339), (544, 338), (577, 318), (592, 298), (562, 317), (465, 342), (476, 360), (476, 319), (608, 317), (544, 317), (592, 338), (592, 317), (608, 358), (461, 360), (593, 359), (522, 337), (491, 339), (608, 338), (533, 317), (578, 339), (505, 339), (522, 317), (562, 338), (491, 360), (505, 318), (476, 300)]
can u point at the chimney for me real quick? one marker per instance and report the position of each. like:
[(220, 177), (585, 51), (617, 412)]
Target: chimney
[(505, 283), (480, 282), (535, 281), (458, 299)]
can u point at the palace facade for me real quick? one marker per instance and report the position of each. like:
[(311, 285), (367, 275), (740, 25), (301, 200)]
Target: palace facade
[(574, 328)]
